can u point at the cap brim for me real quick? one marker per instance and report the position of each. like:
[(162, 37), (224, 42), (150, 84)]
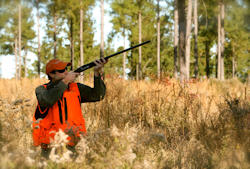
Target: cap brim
[(63, 66)]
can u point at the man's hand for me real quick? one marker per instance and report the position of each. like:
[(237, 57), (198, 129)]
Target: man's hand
[(99, 65), (70, 77)]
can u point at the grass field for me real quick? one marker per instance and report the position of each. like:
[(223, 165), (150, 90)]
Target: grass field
[(139, 125)]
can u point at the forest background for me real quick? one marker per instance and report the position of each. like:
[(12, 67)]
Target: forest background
[(132, 22)]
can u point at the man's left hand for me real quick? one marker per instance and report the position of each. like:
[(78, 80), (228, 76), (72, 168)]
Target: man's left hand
[(99, 65)]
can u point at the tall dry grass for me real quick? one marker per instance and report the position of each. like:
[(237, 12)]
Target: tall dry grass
[(138, 125)]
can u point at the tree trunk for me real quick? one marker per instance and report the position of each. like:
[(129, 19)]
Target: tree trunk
[(175, 39), (55, 40), (182, 35), (188, 38), (219, 47), (81, 41), (207, 58), (124, 55), (72, 54), (19, 41), (234, 67), (25, 63), (38, 39), (16, 58), (102, 30), (139, 71), (196, 56), (222, 39), (158, 41)]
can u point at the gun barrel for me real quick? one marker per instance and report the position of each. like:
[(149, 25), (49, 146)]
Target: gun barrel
[(92, 64)]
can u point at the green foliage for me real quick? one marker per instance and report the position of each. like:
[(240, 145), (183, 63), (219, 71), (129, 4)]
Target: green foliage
[(11, 27), (125, 22), (65, 12), (9, 15), (237, 43), (124, 17)]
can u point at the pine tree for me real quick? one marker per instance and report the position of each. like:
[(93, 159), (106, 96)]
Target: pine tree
[(53, 27), (196, 56), (38, 38), (158, 41), (207, 36), (237, 45), (175, 39), (81, 38), (69, 12), (120, 23), (141, 61), (10, 34), (182, 42), (188, 38), (222, 32), (102, 29), (19, 38)]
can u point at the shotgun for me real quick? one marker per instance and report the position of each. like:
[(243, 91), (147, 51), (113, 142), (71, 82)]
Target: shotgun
[(92, 64)]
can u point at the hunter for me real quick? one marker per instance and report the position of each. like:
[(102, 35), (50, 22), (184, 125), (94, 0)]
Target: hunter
[(59, 104)]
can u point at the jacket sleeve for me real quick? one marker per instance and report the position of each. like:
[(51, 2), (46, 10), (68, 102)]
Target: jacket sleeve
[(89, 94), (47, 97)]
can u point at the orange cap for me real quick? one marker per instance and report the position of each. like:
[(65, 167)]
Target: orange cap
[(56, 64)]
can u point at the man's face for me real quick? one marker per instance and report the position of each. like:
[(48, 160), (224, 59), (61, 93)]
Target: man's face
[(57, 75)]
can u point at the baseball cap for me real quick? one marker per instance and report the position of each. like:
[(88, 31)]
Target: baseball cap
[(56, 64)]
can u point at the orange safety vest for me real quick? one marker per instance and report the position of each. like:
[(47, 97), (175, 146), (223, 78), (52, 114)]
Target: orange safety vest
[(65, 114)]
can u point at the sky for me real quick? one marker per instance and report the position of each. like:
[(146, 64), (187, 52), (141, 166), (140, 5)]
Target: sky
[(7, 63)]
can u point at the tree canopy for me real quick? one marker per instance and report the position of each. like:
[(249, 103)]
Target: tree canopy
[(62, 38)]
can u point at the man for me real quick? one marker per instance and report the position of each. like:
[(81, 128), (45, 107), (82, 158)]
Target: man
[(59, 104)]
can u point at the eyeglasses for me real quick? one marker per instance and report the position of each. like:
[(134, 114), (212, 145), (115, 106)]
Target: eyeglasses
[(59, 71)]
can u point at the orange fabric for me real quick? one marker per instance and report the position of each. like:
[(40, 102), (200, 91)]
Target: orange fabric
[(69, 119), (56, 64)]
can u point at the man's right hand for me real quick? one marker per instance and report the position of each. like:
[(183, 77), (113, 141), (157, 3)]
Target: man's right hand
[(70, 77)]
